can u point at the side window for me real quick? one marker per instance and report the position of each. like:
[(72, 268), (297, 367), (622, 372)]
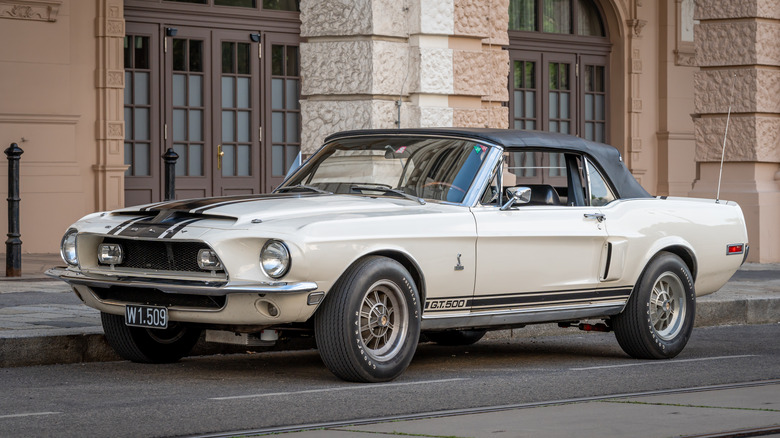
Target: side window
[(544, 172), (599, 192)]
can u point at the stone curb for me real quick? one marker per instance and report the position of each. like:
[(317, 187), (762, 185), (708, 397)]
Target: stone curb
[(78, 348)]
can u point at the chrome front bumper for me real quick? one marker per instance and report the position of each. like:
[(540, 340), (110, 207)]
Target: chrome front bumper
[(178, 286)]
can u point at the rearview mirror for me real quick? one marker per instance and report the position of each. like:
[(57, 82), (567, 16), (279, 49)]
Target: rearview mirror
[(517, 195)]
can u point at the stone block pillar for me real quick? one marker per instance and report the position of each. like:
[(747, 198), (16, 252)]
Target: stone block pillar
[(739, 55), (408, 63)]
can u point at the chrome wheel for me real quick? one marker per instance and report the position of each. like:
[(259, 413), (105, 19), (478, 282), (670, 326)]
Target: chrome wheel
[(383, 320), (667, 306)]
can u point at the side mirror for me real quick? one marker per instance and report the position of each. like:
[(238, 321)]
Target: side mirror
[(517, 195)]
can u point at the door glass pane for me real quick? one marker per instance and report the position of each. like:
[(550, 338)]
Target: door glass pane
[(141, 86), (228, 89), (196, 56), (292, 128), (243, 160), (141, 53), (196, 90), (228, 161), (277, 127), (553, 105), (518, 104), (228, 126), (141, 159), (530, 104), (179, 54), (243, 126), (129, 158), (277, 93), (242, 93), (141, 119), (600, 114), (554, 76), (195, 164), (181, 163), (128, 123), (228, 57), (277, 60), (292, 94), (128, 88), (179, 125), (588, 106), (530, 75), (277, 160), (242, 58), (564, 105), (196, 125), (179, 90)]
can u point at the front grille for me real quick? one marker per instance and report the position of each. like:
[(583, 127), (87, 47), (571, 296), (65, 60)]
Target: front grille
[(159, 255), (154, 297)]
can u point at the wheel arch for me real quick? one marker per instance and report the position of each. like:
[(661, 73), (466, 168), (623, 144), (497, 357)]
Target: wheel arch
[(404, 259), (684, 253)]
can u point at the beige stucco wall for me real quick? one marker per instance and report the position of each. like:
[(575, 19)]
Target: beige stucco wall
[(737, 49), (47, 65)]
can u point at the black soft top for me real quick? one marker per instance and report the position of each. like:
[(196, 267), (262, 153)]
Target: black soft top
[(606, 157)]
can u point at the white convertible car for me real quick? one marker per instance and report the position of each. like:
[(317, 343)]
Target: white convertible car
[(386, 234)]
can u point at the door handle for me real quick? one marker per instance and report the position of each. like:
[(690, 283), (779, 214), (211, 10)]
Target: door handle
[(219, 156), (598, 216)]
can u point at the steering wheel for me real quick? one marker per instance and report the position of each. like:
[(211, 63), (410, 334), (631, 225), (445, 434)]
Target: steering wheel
[(445, 184)]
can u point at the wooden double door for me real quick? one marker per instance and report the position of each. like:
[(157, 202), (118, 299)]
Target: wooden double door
[(226, 101)]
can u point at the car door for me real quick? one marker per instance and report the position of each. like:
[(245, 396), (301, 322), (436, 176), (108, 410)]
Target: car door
[(547, 254)]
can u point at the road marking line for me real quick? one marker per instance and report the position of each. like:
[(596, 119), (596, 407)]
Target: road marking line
[(29, 414), (655, 362), (340, 388)]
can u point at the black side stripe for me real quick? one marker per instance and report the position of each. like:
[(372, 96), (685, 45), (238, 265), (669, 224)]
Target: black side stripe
[(537, 299)]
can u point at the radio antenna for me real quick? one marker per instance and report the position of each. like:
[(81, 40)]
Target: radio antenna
[(725, 135)]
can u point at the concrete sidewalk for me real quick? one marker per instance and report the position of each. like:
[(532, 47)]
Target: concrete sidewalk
[(42, 321), (709, 412)]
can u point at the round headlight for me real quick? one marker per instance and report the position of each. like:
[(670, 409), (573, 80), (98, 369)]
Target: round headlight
[(68, 247), (275, 259)]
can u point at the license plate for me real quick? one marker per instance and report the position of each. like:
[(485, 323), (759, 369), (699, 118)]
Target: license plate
[(146, 316)]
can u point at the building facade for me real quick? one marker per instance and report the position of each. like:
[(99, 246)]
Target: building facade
[(96, 91)]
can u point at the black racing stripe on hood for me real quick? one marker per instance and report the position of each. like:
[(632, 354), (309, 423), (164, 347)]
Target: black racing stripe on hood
[(192, 204), (203, 204), (124, 224), (174, 230)]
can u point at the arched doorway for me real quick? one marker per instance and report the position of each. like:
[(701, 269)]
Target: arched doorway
[(559, 67)]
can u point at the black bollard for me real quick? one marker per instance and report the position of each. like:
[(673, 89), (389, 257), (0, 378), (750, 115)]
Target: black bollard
[(13, 246), (170, 158)]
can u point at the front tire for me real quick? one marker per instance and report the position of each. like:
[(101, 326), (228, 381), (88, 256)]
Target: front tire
[(369, 324), (143, 345), (658, 318)]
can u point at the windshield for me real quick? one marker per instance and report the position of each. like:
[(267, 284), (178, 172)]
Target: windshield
[(434, 169)]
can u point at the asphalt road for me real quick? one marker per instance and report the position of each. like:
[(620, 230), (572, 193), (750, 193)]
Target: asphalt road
[(240, 392)]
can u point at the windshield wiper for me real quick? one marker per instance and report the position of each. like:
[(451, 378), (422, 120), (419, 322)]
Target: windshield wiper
[(303, 187), (387, 191)]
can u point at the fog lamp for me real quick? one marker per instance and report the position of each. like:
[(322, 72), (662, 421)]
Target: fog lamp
[(110, 254), (208, 260)]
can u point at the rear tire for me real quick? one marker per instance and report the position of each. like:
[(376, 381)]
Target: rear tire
[(143, 345), (369, 324), (456, 337), (658, 318)]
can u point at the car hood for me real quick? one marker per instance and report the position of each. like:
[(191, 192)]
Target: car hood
[(293, 209)]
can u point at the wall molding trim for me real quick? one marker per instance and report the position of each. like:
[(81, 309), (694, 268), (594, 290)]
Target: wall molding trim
[(36, 10)]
